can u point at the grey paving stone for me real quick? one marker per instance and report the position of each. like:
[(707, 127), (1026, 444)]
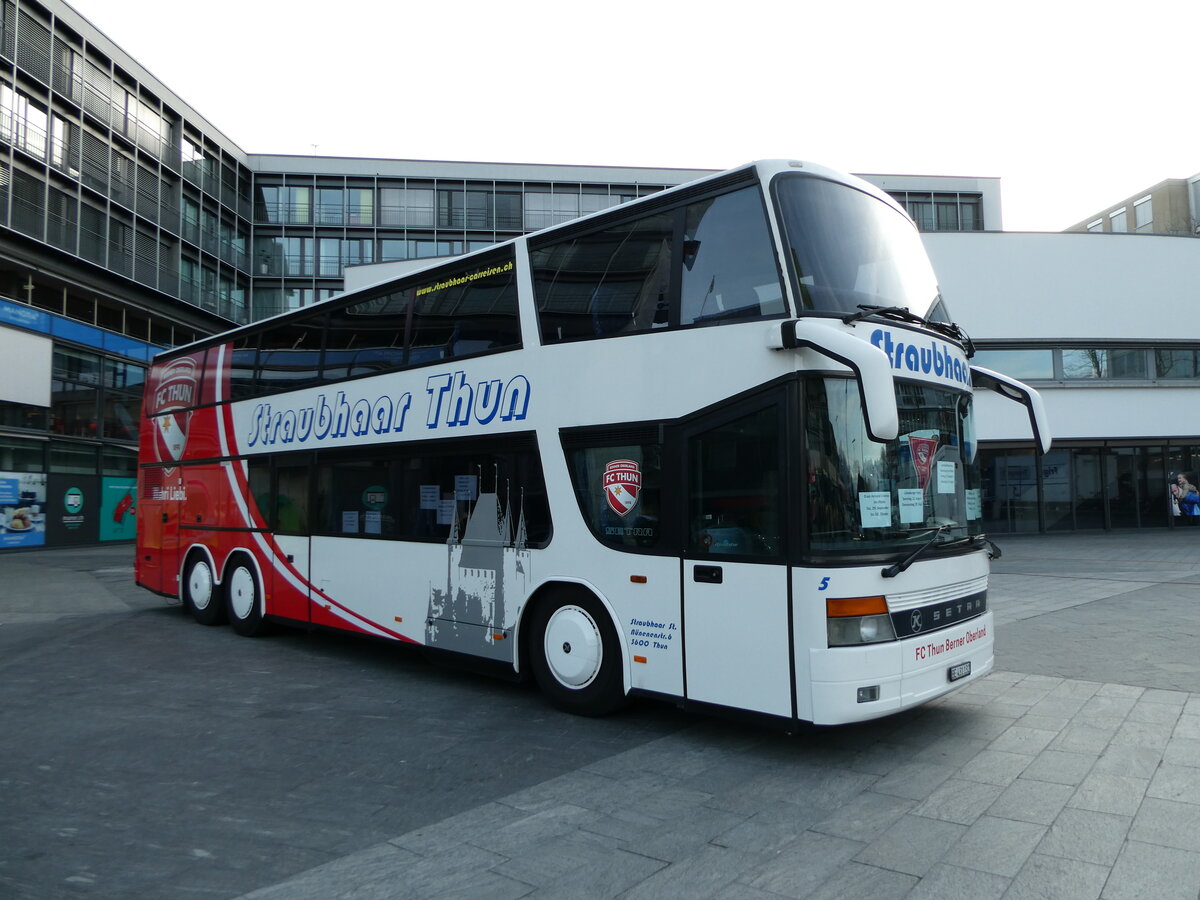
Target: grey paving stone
[(1032, 801), (1060, 767), (1167, 823), (772, 828), (952, 750), (1090, 736), (534, 829), (1103, 792), (959, 801), (996, 767), (1148, 870), (1107, 706), (1072, 688), (1088, 836), (914, 780), (913, 845), (1144, 734), (1188, 725), (1176, 699), (1182, 752), (803, 865), (702, 874), (556, 856), (1055, 878), (1175, 783), (604, 875), (999, 846), (1157, 713), (1129, 759), (984, 726), (864, 817), (855, 881), (956, 883), (1125, 691), (1020, 739)]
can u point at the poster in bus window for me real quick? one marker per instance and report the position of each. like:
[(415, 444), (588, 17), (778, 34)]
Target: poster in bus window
[(22, 509)]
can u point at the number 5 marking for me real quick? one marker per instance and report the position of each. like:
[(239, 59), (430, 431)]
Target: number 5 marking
[(824, 583)]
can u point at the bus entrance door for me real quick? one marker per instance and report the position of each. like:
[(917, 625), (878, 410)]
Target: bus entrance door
[(735, 581), (735, 621)]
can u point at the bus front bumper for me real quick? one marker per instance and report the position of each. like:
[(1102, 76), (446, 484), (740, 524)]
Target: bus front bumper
[(844, 679)]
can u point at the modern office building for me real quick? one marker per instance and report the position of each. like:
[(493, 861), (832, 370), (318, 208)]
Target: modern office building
[(128, 222)]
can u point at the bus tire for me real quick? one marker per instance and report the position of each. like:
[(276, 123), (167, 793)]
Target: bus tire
[(243, 599), (201, 594), (575, 656)]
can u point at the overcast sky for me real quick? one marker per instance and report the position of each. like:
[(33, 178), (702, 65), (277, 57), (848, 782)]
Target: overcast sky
[(1073, 105)]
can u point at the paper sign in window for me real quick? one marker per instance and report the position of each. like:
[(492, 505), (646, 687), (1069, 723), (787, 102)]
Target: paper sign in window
[(875, 508)]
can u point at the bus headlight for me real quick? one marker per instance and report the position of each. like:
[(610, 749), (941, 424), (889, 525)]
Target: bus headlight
[(858, 620)]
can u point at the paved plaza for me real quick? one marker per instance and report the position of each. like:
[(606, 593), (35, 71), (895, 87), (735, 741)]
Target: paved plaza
[(1072, 771)]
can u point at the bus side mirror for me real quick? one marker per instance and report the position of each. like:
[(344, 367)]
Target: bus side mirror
[(871, 366), (1019, 392)]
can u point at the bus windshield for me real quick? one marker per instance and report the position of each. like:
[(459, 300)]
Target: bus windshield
[(848, 249), (870, 497)]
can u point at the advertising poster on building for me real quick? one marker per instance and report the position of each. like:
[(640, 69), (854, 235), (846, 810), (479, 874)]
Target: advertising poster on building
[(22, 509), (72, 510), (118, 509)]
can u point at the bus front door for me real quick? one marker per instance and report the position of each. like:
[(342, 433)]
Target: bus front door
[(735, 576)]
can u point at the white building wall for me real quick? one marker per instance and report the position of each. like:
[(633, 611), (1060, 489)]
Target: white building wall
[(1064, 287)]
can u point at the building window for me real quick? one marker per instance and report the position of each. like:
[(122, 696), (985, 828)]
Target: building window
[(1096, 226), (943, 211), (1143, 214), (1116, 220)]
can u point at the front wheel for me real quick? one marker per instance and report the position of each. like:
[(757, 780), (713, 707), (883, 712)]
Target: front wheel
[(243, 600), (201, 593), (575, 656)]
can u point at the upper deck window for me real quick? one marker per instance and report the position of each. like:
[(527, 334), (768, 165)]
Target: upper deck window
[(708, 262)]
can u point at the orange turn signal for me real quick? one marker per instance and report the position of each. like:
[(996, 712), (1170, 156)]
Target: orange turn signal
[(855, 606)]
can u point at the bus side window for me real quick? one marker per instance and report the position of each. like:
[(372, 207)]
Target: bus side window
[(735, 488), (729, 267), (615, 281), (291, 500), (258, 474), (619, 489)]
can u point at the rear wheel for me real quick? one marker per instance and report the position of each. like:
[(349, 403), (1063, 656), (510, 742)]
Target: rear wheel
[(243, 600), (575, 656), (201, 593)]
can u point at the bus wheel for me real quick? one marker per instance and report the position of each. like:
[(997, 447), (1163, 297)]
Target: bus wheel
[(575, 656), (201, 594), (243, 601)]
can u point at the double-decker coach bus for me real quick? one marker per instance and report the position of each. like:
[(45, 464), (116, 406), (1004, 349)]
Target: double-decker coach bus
[(714, 445)]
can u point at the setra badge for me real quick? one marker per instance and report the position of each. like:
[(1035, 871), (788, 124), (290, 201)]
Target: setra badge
[(622, 484)]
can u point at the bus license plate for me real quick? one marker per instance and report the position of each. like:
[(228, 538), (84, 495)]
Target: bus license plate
[(962, 670)]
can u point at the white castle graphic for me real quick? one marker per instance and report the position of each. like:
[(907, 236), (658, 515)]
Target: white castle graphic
[(486, 565)]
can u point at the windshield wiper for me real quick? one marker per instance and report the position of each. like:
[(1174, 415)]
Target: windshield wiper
[(893, 570), (949, 329)]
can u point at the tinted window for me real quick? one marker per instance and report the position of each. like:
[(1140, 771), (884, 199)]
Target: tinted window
[(368, 336), (290, 356), (619, 488), (729, 269), (735, 488), (611, 282), (431, 493), (460, 313), (242, 374)]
